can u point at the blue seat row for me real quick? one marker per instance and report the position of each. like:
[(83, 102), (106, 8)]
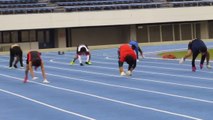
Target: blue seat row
[(17, 1), (27, 10), (91, 0), (23, 5), (112, 7), (192, 3), (99, 2), (181, 0)]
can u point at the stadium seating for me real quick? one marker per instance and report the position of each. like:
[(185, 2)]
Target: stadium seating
[(24, 6), (27, 10), (108, 5), (17, 1), (109, 2), (191, 3), (111, 7), (41, 6)]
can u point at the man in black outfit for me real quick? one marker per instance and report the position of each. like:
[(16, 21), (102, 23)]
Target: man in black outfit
[(15, 56), (195, 47)]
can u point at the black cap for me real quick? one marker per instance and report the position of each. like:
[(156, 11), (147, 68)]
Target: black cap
[(129, 59), (36, 63)]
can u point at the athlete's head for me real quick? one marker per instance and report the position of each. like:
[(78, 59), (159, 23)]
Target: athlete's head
[(133, 47), (36, 63), (83, 50), (129, 59)]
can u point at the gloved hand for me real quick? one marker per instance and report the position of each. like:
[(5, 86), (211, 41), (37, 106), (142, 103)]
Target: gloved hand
[(129, 73), (181, 61), (193, 69), (201, 66), (209, 66), (123, 73)]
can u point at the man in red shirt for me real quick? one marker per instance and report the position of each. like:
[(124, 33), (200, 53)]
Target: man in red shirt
[(126, 54), (34, 59)]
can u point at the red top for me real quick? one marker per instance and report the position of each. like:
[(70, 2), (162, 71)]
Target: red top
[(32, 55), (126, 50)]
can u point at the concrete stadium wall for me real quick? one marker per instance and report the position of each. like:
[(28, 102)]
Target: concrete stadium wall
[(100, 35), (24, 46), (104, 18)]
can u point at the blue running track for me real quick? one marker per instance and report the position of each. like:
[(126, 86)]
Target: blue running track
[(157, 90)]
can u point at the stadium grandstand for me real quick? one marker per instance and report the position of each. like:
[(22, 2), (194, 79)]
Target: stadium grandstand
[(66, 23)]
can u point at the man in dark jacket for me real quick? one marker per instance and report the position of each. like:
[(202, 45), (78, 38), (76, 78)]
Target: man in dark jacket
[(195, 47)]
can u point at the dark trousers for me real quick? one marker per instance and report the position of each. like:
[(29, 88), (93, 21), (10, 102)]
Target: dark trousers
[(132, 65), (195, 54)]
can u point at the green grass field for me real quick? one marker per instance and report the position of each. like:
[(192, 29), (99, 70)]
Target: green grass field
[(180, 54)]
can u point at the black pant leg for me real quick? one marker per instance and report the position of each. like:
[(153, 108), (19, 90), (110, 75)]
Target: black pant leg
[(137, 54), (21, 59), (11, 57), (195, 54), (203, 57), (132, 65)]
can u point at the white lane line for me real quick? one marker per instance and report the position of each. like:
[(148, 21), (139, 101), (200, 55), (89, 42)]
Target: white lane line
[(137, 89), (163, 61), (140, 79), (42, 103), (147, 72), (52, 59), (108, 99), (133, 88), (159, 63), (142, 64), (3, 60)]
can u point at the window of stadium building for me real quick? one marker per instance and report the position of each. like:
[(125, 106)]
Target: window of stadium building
[(6, 37), (17, 36), (14, 36), (24, 36)]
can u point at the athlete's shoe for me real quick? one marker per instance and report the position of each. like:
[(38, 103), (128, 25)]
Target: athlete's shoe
[(181, 61), (123, 73), (72, 63), (88, 63), (15, 66), (34, 78), (129, 73), (22, 67), (10, 67), (193, 69), (45, 81), (209, 66)]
